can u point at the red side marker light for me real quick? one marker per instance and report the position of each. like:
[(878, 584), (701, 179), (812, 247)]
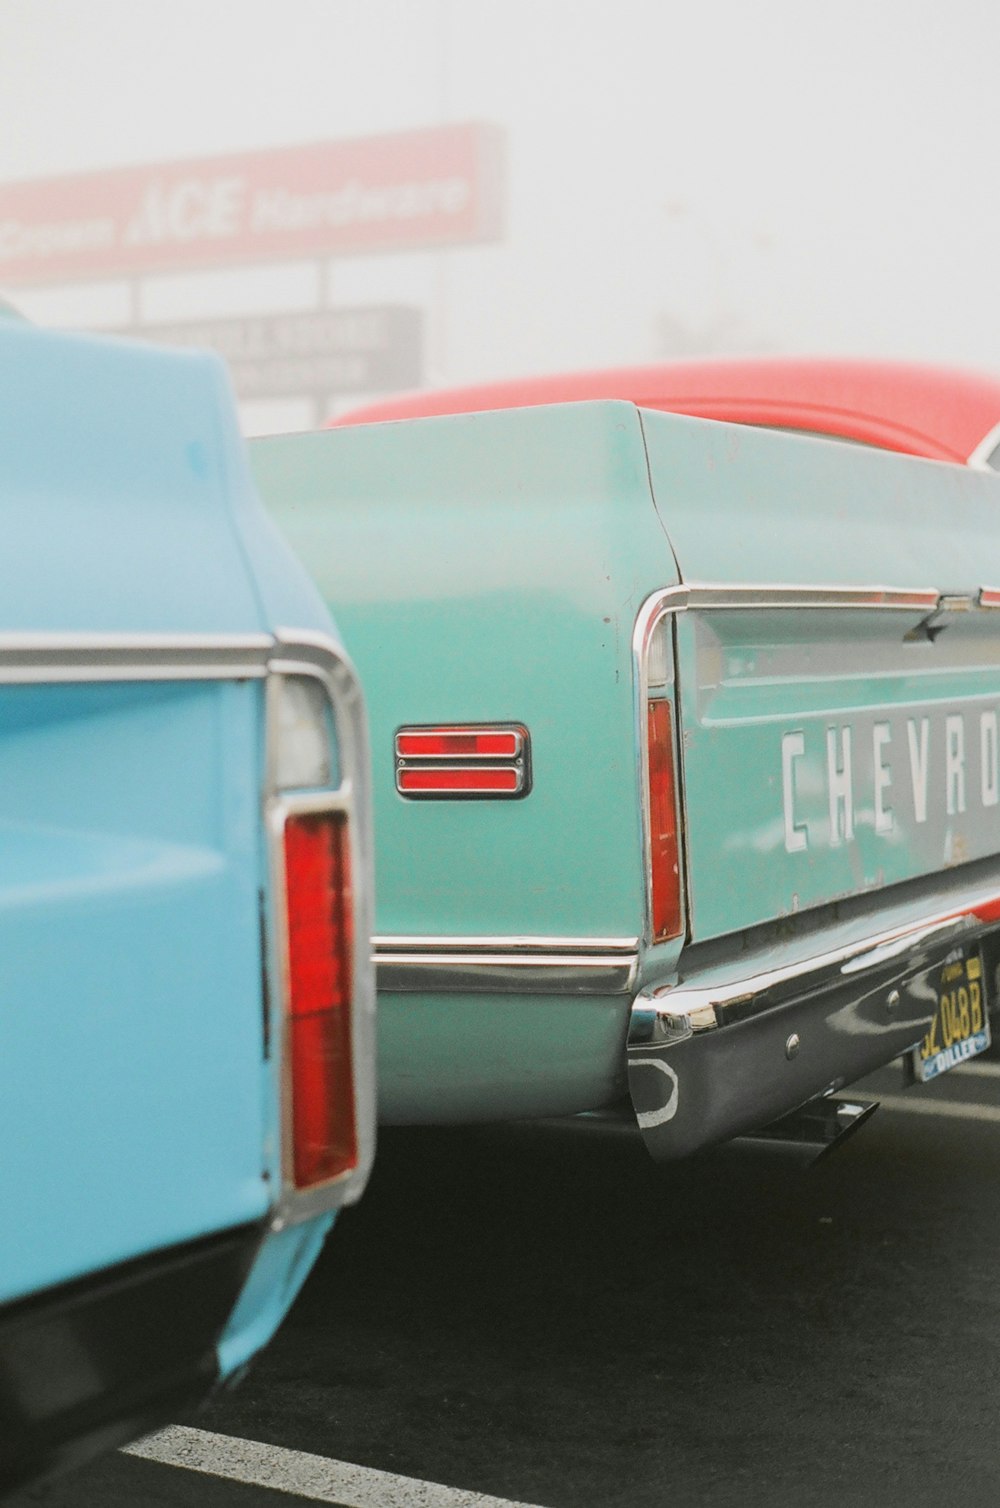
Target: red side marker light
[(457, 780), (320, 947), (665, 883), (464, 759), (459, 743)]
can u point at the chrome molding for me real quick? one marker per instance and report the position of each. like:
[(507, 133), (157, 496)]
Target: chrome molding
[(521, 944), (677, 1012), (27, 659), (706, 595), (300, 653), (507, 965)]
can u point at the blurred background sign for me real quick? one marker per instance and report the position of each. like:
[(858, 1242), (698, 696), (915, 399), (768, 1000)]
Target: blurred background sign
[(316, 353), (440, 186)]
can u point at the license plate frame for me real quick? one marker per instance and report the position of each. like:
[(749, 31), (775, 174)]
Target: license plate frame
[(960, 1029)]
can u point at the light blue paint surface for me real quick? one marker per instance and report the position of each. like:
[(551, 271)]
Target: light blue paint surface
[(136, 1107), (133, 1108), (281, 1267)]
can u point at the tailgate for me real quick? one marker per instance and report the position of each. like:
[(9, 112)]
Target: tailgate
[(830, 751), (132, 1063), (838, 667)]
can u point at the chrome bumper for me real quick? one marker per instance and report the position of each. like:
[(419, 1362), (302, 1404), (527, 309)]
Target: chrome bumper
[(709, 1061)]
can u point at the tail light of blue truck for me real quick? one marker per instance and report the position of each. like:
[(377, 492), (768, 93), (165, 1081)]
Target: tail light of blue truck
[(321, 955), (318, 971), (312, 851), (318, 904)]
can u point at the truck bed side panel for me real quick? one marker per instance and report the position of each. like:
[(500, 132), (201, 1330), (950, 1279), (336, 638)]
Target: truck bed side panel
[(489, 567)]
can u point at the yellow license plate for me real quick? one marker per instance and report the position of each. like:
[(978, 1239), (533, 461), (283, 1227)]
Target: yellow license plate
[(961, 1025)]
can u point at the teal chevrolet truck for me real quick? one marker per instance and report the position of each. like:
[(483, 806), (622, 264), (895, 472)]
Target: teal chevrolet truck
[(685, 743)]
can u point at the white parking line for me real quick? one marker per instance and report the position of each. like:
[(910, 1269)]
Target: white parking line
[(308, 1476), (985, 1070), (958, 1109)]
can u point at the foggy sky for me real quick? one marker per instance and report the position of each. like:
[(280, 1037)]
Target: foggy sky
[(722, 174)]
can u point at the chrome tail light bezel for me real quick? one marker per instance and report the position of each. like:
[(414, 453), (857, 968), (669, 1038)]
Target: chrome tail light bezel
[(302, 654)]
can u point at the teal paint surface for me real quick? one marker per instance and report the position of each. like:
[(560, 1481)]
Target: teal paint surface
[(462, 1058), (490, 567), (745, 505)]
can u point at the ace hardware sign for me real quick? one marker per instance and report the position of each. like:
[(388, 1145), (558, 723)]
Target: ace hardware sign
[(404, 191)]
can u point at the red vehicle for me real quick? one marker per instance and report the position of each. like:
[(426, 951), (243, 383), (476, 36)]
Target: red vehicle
[(941, 413)]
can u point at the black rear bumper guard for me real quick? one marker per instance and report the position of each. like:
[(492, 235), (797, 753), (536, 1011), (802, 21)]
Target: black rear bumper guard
[(707, 1063), (92, 1363)]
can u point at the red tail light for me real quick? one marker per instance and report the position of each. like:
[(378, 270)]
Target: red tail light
[(320, 947), (665, 882)]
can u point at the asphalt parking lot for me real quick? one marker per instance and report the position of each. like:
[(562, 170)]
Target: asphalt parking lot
[(540, 1315)]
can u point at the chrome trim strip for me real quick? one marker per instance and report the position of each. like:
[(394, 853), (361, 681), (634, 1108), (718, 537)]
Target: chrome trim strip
[(27, 659), (676, 1012), (507, 965), (989, 442), (396, 943), (507, 973), (705, 595), (302, 653)]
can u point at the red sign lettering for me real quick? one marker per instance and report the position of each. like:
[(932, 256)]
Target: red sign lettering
[(414, 189)]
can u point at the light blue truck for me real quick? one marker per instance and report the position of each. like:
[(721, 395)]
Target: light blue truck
[(685, 760), (186, 995)]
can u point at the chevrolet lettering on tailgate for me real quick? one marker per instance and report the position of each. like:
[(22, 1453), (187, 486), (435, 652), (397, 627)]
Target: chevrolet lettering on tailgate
[(892, 774)]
